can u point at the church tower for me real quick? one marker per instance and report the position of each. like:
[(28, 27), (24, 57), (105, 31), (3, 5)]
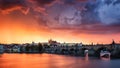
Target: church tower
[(113, 44)]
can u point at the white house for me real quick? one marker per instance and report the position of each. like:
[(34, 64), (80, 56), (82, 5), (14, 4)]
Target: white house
[(16, 49)]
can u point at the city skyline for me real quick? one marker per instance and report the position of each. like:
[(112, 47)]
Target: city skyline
[(73, 21)]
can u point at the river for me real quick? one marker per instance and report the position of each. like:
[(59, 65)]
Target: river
[(54, 61)]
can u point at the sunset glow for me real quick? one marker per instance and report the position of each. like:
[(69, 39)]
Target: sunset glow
[(32, 20)]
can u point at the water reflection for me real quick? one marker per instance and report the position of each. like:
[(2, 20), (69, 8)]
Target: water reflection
[(105, 59), (86, 57), (49, 61)]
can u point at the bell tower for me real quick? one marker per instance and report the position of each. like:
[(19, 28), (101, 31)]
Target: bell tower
[(113, 44)]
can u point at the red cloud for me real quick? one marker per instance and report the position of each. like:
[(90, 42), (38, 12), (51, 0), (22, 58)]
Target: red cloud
[(7, 6)]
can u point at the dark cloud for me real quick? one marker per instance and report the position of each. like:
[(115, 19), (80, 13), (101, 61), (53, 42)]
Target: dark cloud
[(95, 16), (73, 2), (91, 29), (109, 13), (70, 2), (7, 6), (43, 2), (90, 15), (79, 16), (99, 29), (116, 2), (108, 2), (82, 0)]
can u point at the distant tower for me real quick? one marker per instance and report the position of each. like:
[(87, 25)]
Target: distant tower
[(52, 41), (33, 43), (113, 44), (92, 43)]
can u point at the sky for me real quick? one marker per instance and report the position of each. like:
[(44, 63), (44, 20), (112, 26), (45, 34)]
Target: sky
[(86, 21)]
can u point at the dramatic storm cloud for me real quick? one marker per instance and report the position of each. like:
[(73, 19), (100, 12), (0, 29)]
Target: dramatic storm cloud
[(7, 6), (81, 16), (62, 20), (109, 11), (43, 2)]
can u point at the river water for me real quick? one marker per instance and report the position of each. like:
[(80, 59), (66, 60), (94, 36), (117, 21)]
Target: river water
[(54, 61)]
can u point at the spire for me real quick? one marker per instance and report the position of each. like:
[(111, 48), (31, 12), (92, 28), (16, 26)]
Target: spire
[(113, 42)]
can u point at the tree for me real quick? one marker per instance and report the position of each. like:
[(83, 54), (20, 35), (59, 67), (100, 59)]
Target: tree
[(27, 48), (99, 50), (40, 47)]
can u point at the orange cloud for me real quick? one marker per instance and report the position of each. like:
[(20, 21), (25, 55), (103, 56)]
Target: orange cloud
[(7, 11)]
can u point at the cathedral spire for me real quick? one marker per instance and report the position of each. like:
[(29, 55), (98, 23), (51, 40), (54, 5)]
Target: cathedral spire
[(113, 42)]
